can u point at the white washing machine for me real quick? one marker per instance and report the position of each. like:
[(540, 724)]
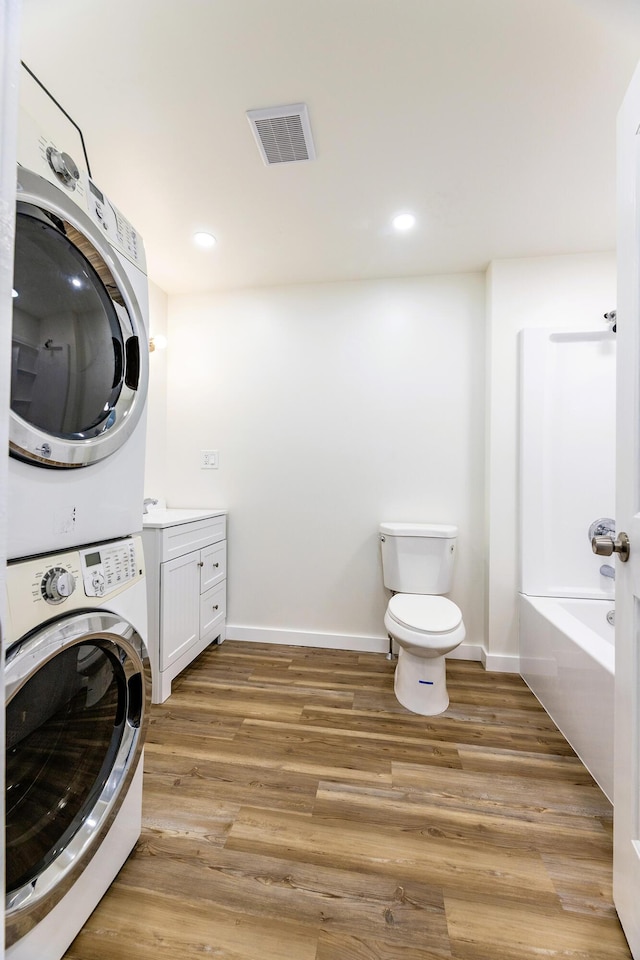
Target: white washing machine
[(78, 693), (79, 369)]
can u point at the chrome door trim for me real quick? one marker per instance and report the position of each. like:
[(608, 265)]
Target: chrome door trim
[(27, 905), (36, 446)]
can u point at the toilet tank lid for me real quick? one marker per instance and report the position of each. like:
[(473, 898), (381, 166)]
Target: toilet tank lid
[(444, 530)]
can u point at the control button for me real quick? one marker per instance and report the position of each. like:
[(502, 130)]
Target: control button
[(97, 583)]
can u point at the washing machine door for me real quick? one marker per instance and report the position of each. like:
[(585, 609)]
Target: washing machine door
[(77, 701), (79, 366)]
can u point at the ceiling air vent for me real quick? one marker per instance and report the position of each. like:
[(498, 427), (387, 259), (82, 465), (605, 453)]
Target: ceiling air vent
[(283, 134)]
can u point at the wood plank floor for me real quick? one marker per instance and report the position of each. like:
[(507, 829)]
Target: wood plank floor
[(294, 810)]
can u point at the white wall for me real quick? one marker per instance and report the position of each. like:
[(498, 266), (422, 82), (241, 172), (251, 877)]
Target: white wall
[(570, 292), (333, 407), (156, 450)]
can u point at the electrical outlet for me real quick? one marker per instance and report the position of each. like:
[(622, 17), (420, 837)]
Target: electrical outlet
[(208, 459)]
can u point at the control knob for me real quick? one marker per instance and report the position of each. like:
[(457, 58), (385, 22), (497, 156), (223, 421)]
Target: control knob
[(98, 583), (57, 585), (64, 167)]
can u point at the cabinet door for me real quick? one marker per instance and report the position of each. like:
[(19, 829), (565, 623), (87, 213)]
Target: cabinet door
[(214, 565), (179, 606)]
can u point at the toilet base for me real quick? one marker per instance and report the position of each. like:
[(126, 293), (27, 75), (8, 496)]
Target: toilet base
[(420, 683)]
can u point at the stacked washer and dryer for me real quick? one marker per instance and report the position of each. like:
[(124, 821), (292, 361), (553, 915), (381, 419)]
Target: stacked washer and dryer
[(77, 677)]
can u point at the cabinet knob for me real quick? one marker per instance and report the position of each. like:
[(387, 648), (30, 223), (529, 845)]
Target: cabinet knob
[(216, 564), (215, 606), (201, 563)]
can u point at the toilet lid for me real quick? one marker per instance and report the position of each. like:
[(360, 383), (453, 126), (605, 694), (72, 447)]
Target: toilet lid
[(429, 614)]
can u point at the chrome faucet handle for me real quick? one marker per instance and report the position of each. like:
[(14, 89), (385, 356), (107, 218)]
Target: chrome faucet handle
[(148, 502), (603, 527)]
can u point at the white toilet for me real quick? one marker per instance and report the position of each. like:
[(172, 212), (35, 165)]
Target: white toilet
[(417, 563)]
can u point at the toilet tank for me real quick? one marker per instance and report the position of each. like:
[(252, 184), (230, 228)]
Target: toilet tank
[(418, 557)]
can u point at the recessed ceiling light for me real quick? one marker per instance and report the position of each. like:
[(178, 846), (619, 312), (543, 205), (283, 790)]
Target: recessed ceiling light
[(204, 240), (404, 221)]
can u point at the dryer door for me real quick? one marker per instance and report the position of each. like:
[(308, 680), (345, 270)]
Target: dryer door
[(79, 348), (77, 700)]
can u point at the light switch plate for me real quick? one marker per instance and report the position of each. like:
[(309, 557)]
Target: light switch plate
[(208, 459)]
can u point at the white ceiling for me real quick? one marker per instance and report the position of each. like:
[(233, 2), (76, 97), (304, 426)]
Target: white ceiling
[(492, 120)]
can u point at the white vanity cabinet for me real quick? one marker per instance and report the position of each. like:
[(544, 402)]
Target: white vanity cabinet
[(186, 560)]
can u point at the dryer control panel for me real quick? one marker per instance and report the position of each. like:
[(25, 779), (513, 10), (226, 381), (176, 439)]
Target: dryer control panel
[(117, 228), (107, 567), (47, 157)]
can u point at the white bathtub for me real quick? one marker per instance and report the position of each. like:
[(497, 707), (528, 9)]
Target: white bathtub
[(567, 659)]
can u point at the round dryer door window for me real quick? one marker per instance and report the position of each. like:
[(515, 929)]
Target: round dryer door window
[(76, 709), (77, 374)]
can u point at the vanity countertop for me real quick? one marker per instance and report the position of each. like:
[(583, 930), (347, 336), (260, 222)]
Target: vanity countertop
[(160, 517)]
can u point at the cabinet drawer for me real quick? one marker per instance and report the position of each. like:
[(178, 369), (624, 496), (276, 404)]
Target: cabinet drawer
[(185, 537), (214, 565), (213, 609)]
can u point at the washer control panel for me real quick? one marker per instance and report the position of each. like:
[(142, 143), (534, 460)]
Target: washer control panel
[(42, 587), (107, 567)]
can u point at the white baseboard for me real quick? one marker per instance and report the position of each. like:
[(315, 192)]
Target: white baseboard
[(303, 638), (500, 662), (335, 641), (466, 651)]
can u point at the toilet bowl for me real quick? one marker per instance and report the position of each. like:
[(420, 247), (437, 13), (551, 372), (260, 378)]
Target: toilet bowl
[(425, 628)]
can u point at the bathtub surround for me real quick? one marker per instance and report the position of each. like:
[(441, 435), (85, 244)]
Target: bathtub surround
[(567, 483), (567, 459)]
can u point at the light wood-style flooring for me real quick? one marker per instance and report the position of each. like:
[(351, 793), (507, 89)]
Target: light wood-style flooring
[(295, 811)]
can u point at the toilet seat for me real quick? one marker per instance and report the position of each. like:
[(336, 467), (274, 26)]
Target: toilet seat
[(424, 613)]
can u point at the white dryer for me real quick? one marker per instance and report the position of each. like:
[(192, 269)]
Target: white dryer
[(79, 368), (78, 692)]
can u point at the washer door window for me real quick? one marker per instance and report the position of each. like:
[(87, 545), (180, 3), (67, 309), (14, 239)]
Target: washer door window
[(77, 698), (76, 377)]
